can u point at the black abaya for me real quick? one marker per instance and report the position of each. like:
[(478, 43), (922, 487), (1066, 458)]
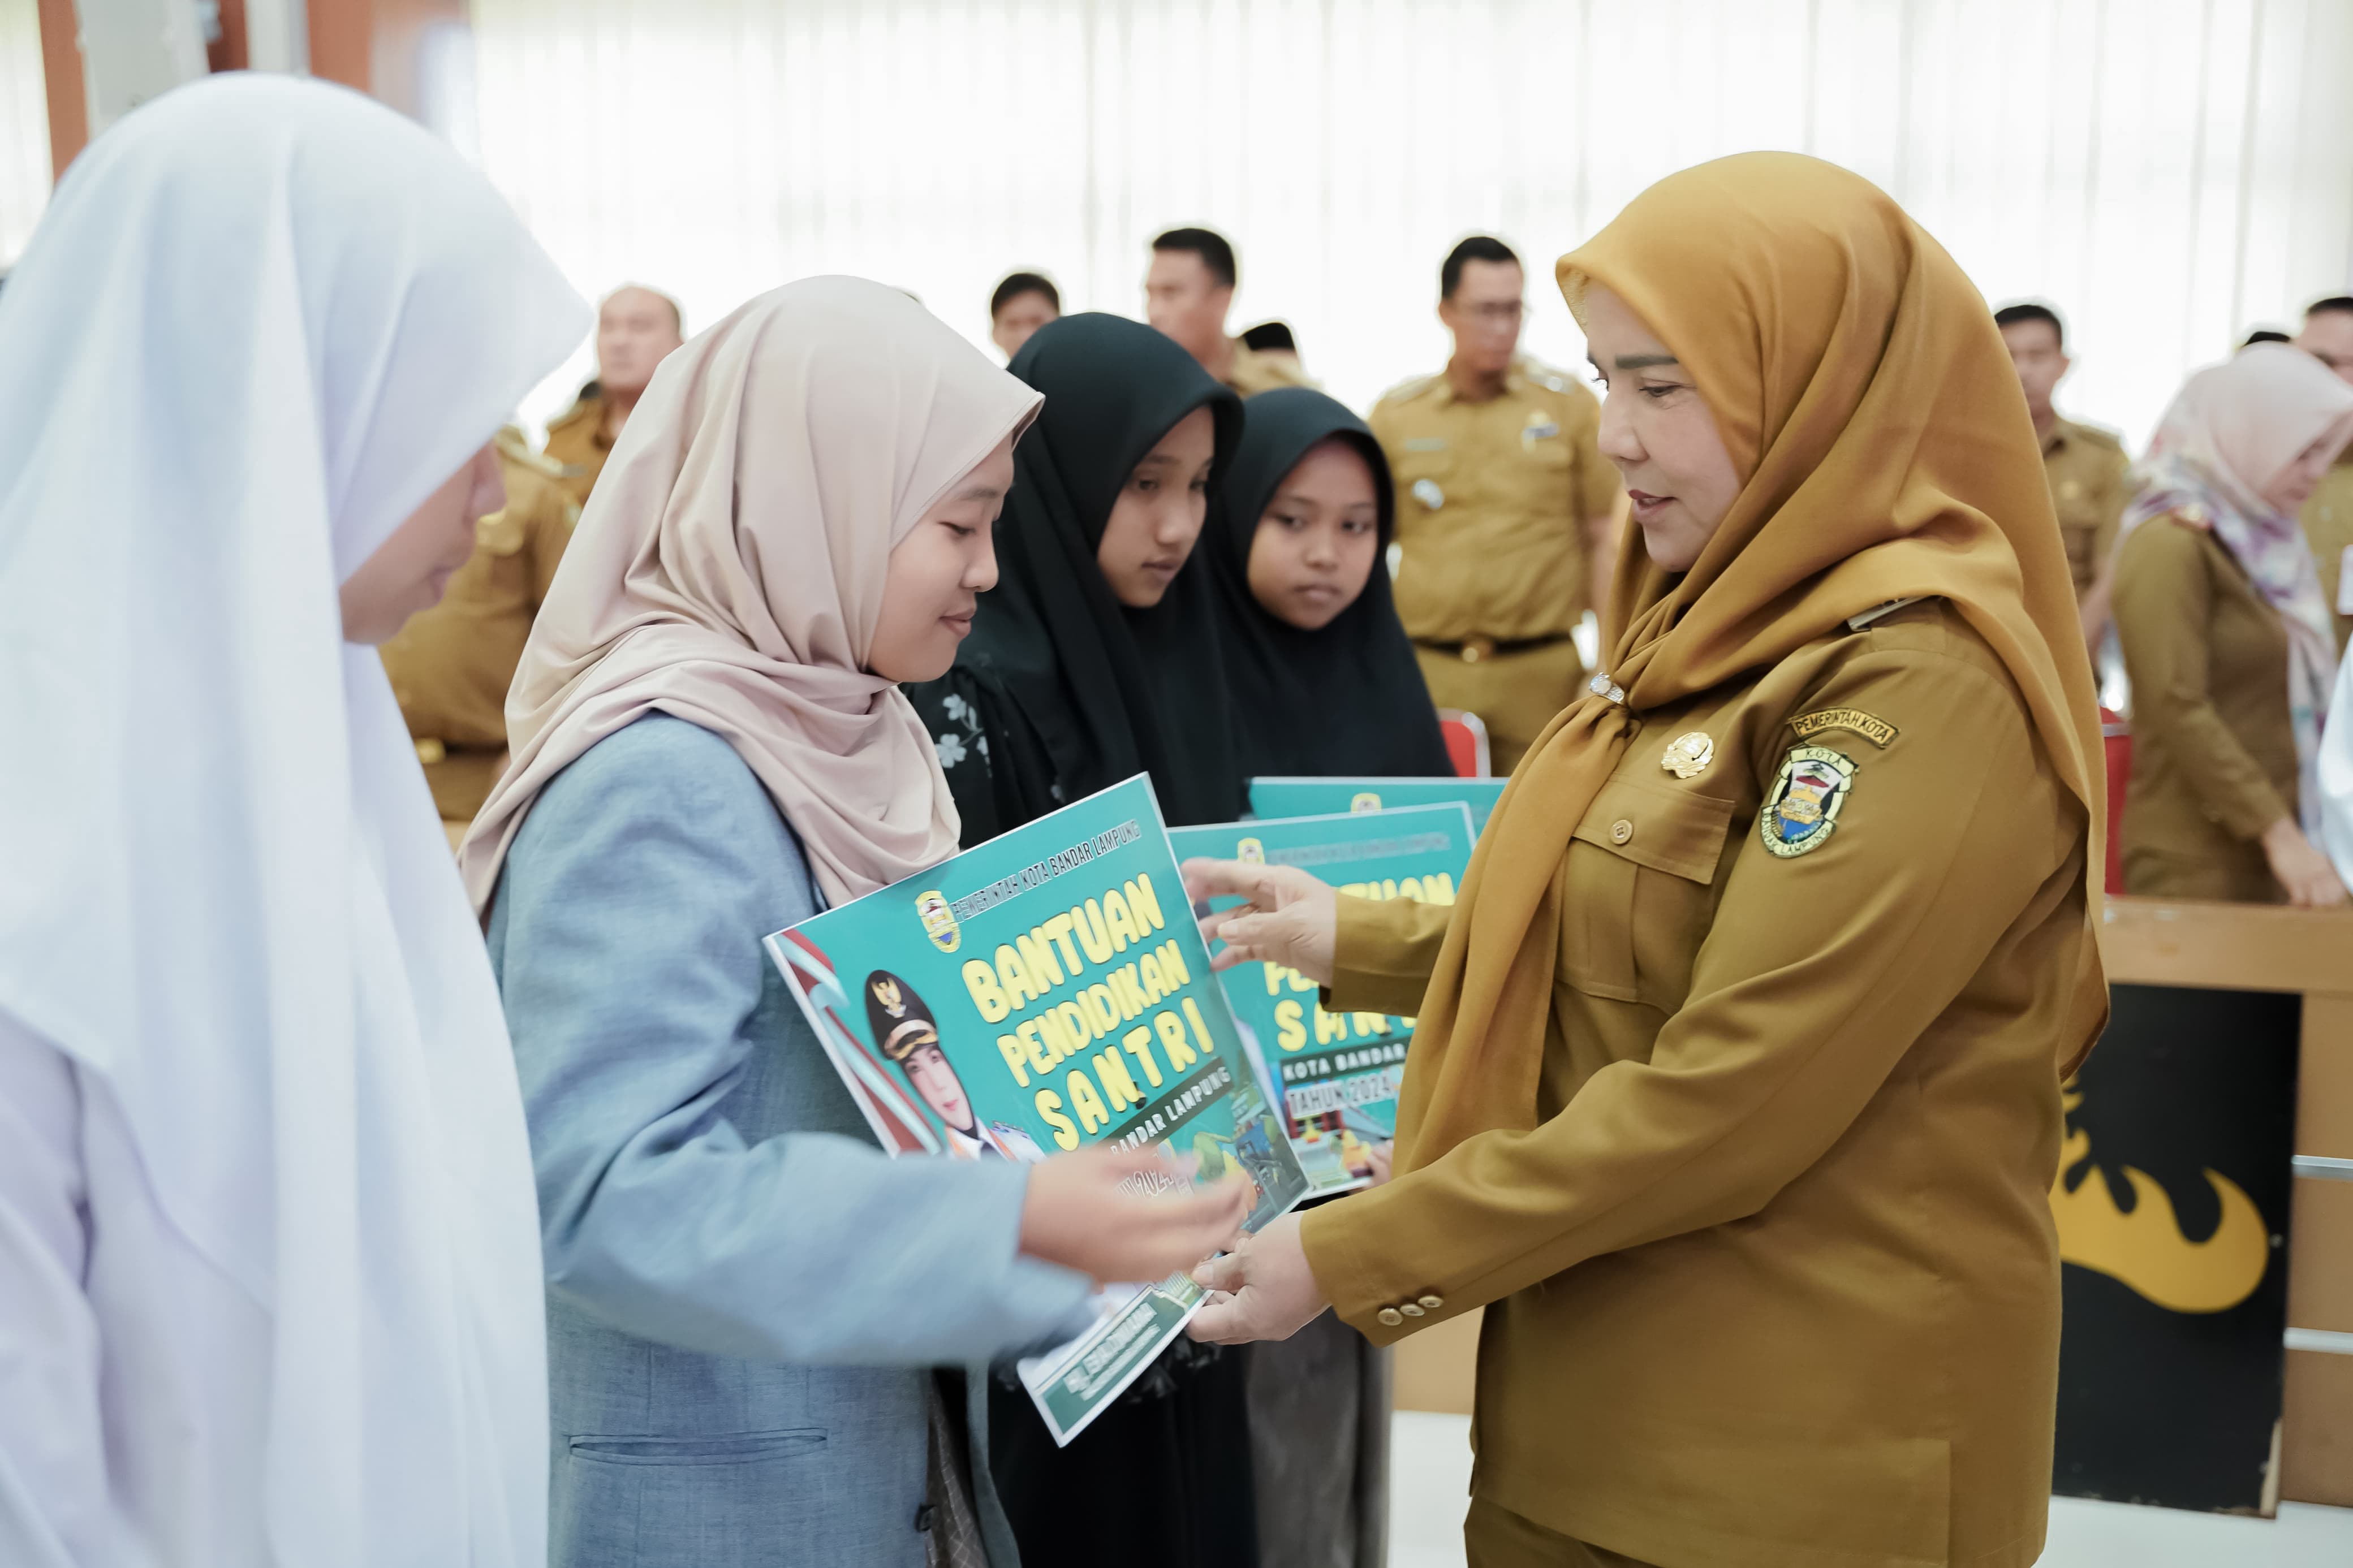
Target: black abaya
[(1059, 692)]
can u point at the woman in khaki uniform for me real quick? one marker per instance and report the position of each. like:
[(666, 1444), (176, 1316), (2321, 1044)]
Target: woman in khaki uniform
[(2227, 635), (450, 665), (1735, 1095)]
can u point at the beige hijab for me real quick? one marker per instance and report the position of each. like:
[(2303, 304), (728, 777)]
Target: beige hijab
[(729, 571), (1861, 385)]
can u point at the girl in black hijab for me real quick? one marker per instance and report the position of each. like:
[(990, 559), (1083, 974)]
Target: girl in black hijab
[(1095, 658), (1322, 678), (1324, 681)]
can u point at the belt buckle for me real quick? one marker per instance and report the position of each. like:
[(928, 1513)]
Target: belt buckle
[(430, 751), (1476, 648)]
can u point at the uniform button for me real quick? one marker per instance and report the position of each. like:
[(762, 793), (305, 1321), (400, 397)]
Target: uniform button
[(1620, 831), (1432, 1303), (1388, 1317), (1411, 1311)]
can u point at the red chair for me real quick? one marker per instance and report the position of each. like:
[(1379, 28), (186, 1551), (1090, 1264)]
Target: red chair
[(2116, 740), (1466, 743)]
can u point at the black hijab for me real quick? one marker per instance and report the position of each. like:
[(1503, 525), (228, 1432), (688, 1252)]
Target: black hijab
[(1110, 691), (1348, 699)]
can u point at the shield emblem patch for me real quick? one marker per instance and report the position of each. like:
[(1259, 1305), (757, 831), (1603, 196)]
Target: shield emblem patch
[(1801, 809)]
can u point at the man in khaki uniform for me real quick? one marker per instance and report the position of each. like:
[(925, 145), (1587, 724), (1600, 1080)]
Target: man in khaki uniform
[(1186, 295), (451, 664), (636, 329), (1504, 507), (2090, 477), (2327, 336)]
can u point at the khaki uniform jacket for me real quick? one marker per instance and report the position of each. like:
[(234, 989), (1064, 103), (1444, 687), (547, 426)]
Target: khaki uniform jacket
[(2328, 529), (2091, 480), (2213, 747), (575, 441), (1493, 500), (1252, 372), (450, 665), (1773, 1283)]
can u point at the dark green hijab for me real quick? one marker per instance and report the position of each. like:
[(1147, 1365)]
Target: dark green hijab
[(1346, 700), (1112, 691)]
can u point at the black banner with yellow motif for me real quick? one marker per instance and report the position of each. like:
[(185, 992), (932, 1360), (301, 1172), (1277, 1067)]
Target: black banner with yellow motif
[(2172, 1209)]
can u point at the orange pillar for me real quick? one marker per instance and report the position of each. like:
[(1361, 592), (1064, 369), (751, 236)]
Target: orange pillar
[(374, 45), (61, 78), (227, 53)]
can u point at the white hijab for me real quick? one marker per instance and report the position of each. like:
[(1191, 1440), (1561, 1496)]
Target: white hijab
[(261, 321)]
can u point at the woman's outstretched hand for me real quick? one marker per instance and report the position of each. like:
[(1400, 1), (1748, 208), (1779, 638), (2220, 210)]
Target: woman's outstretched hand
[(1287, 916), (1097, 1211), (2305, 874), (1262, 1291)]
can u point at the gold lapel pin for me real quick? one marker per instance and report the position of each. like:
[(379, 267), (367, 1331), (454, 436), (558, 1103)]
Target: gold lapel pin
[(1688, 756)]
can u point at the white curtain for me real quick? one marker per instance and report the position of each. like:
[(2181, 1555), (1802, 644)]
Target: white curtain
[(23, 127), (2168, 173)]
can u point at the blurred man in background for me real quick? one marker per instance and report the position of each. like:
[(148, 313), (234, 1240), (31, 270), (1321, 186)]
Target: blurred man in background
[(450, 665), (1024, 302), (2328, 335), (1187, 294), (1504, 510), (2086, 466), (636, 329)]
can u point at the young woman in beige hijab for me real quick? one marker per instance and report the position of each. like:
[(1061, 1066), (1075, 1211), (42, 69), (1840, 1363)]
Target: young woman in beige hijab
[(1734, 1101), (710, 744)]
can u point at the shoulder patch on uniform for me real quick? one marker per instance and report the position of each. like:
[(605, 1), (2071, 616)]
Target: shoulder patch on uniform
[(1801, 809), (1870, 726)]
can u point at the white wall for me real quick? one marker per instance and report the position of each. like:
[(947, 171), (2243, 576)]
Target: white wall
[(23, 127), (2168, 172)]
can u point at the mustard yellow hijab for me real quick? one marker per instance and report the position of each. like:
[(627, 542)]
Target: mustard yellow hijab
[(1862, 389)]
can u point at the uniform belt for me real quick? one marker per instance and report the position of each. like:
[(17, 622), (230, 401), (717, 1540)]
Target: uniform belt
[(1476, 650)]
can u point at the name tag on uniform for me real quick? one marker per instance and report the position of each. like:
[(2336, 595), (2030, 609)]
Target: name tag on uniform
[(1540, 430), (1425, 443)]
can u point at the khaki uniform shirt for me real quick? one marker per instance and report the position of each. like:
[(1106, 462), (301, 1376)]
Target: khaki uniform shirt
[(1493, 500), (1773, 1281), (2329, 528), (450, 665), (2090, 483), (2214, 748), (1252, 372), (575, 441)]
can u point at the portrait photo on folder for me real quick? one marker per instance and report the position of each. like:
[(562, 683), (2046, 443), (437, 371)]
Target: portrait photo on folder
[(1042, 992), (1335, 1076)]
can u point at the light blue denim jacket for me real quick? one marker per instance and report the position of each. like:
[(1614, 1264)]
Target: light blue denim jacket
[(743, 1289)]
